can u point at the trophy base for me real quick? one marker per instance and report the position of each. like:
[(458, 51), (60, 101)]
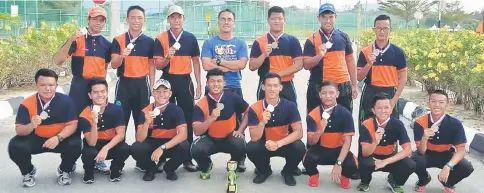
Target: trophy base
[(232, 188)]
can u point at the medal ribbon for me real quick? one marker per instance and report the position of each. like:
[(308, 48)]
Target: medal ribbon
[(176, 38), (220, 98), (46, 104), (438, 121), (131, 39), (276, 39), (384, 122), (161, 106), (330, 35), (330, 108), (382, 51)]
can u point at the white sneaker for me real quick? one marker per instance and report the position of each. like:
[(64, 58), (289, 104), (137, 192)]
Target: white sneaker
[(29, 179), (64, 177)]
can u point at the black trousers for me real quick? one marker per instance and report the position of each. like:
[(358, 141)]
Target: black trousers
[(21, 149), (142, 152), (319, 155), (183, 96), (366, 101), (260, 156), (400, 170), (118, 154), (433, 159), (288, 91), (78, 93), (133, 94), (205, 146)]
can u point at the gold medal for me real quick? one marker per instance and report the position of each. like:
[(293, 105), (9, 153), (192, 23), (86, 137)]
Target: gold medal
[(220, 106), (274, 45), (44, 115)]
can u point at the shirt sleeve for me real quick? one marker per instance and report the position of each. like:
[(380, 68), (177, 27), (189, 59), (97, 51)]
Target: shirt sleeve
[(460, 135), (240, 105), (115, 48), (84, 125), (207, 50), (120, 117), (195, 48), (349, 125), (150, 47), (243, 51), (108, 54), (73, 47), (198, 114), (365, 137), (361, 60), (296, 50), (293, 113), (180, 117), (158, 51), (23, 116), (253, 119), (348, 45), (311, 124), (401, 60), (309, 49), (141, 118), (418, 132), (255, 50), (403, 136)]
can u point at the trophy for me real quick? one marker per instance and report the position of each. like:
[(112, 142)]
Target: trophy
[(231, 186)]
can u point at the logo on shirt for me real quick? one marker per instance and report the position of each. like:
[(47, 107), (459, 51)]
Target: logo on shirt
[(118, 103), (227, 51)]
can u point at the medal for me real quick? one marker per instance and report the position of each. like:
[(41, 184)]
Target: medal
[(270, 108), (326, 115), (220, 106), (380, 130), (44, 115), (96, 109), (156, 112), (434, 128), (376, 52), (130, 46), (176, 46), (131, 41), (83, 31), (329, 45), (274, 45)]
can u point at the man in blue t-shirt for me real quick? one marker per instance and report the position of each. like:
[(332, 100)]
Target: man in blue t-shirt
[(227, 53)]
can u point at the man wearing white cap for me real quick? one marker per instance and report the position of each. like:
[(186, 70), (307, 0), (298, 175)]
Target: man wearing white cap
[(175, 52), (161, 134)]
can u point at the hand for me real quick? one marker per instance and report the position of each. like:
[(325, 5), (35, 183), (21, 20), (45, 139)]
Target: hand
[(372, 59), (323, 124), (126, 52), (336, 173), (35, 121), (266, 115), (378, 136), (354, 90), (271, 145), (267, 50), (198, 92), (76, 35), (380, 164), (51, 143), (444, 174), (101, 156), (238, 134), (148, 118), (94, 117), (171, 53), (215, 114), (155, 156), (322, 50), (428, 133)]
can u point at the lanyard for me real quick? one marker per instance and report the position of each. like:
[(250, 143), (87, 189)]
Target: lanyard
[(161, 106), (176, 38), (276, 39), (220, 98), (384, 122), (324, 34), (46, 104), (381, 51), (132, 40), (330, 108), (438, 121)]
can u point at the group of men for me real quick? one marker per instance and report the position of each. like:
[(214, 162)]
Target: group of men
[(52, 122)]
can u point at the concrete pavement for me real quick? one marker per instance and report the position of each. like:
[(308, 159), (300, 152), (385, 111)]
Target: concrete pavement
[(10, 178)]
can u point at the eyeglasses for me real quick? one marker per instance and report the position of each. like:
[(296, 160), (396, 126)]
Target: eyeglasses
[(384, 29)]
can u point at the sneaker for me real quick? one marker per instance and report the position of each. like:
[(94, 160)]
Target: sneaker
[(449, 190), (160, 166), (149, 176), (289, 179), (356, 176), (29, 179), (64, 178), (393, 186), (421, 187), (261, 177), (101, 167), (190, 167), (297, 172), (171, 176), (115, 176), (139, 168), (345, 182), (241, 166), (314, 180), (205, 175), (59, 171), (74, 168), (88, 177), (363, 187), (304, 172)]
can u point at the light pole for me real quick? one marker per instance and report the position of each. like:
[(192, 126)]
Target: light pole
[(418, 16)]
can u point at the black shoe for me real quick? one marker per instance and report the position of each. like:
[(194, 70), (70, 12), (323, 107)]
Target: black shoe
[(241, 166), (115, 175), (304, 172), (171, 176), (159, 167), (88, 177), (289, 179), (190, 167), (297, 172), (261, 177), (355, 176), (140, 168), (149, 176)]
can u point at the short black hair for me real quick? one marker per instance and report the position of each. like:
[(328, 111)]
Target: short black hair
[(441, 92), (382, 18), (275, 9), (215, 72), (95, 81), (226, 10), (271, 75), (327, 83), (134, 7), (45, 73), (380, 96)]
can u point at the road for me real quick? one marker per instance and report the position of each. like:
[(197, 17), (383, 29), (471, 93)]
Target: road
[(10, 178)]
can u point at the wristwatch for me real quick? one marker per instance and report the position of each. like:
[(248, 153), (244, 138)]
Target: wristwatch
[(60, 138), (218, 60), (163, 147), (339, 162)]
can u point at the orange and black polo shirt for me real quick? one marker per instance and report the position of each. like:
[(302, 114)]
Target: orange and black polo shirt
[(111, 119), (450, 133), (340, 124), (165, 125), (394, 131), (137, 64), (181, 62), (90, 56)]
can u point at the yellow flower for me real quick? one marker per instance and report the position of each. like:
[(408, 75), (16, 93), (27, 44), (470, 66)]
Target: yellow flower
[(8, 28), (430, 65), (432, 75), (417, 67), (460, 45), (452, 65), (436, 78), (425, 77)]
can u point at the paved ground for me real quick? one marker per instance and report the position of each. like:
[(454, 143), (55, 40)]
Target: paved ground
[(10, 179)]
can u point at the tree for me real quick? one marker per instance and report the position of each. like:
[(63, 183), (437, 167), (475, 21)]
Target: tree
[(454, 14), (65, 6), (405, 9), (353, 8)]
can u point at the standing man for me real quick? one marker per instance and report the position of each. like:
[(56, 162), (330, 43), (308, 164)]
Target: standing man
[(229, 54), (383, 66), (175, 52), (91, 54), (132, 54), (103, 126), (277, 52), (441, 143), (46, 122), (328, 54)]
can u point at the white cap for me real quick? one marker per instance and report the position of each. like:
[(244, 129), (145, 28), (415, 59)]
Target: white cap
[(162, 82), (175, 9)]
